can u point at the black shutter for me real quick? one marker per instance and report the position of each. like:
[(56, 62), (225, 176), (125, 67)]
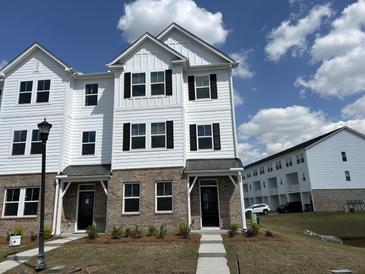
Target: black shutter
[(126, 136), (191, 83), (127, 85), (170, 134), (213, 86), (193, 146), (216, 137), (168, 82)]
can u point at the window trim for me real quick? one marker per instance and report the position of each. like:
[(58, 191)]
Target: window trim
[(197, 137), (139, 84), (196, 87), (82, 143), (85, 95), (131, 136), (151, 135), (133, 197), (164, 196), (21, 202), (163, 82)]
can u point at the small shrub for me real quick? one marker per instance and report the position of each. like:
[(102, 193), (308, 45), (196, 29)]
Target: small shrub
[(18, 231), (269, 234), (47, 232), (128, 232), (136, 232), (256, 228), (233, 228), (152, 230), (184, 231), (92, 232), (117, 232), (250, 233), (33, 236), (162, 232)]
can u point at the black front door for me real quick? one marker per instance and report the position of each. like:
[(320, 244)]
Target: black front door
[(86, 208), (209, 206)]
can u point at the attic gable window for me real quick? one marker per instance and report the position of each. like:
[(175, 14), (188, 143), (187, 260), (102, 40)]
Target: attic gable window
[(25, 92), (158, 83), (202, 85), (91, 94), (43, 89), (138, 84)]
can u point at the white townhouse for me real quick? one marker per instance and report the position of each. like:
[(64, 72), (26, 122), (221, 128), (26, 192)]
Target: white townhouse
[(151, 141), (323, 173)]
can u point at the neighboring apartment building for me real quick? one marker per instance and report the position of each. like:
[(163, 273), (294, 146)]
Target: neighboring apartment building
[(150, 142), (323, 173)]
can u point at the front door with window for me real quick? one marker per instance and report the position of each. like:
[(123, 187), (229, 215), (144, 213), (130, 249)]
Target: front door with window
[(86, 208), (209, 207)]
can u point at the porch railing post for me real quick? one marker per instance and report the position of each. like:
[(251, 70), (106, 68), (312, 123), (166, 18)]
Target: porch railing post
[(242, 202)]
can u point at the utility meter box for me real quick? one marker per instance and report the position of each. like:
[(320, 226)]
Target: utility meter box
[(15, 240)]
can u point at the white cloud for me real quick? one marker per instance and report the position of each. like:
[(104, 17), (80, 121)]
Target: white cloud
[(3, 63), (248, 153), (342, 55), (292, 37), (155, 15), (243, 70), (356, 109), (277, 129), (238, 99)]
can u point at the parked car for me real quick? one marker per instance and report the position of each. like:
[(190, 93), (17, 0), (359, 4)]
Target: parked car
[(290, 207), (258, 209)]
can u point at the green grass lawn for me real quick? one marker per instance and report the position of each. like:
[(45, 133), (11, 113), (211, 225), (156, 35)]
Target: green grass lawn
[(5, 250), (291, 252), (130, 257)]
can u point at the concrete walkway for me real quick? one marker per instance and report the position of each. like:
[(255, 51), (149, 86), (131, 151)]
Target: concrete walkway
[(212, 255), (22, 257)]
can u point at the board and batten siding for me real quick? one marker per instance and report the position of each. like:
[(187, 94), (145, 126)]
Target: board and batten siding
[(38, 66), (325, 165)]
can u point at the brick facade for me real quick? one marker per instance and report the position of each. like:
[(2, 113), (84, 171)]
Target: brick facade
[(335, 199), (30, 224)]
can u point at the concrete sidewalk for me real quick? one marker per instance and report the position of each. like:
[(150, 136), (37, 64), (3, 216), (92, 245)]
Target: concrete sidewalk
[(22, 257), (212, 255)]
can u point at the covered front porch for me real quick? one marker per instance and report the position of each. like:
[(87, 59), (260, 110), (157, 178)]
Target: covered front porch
[(215, 193), (81, 198)]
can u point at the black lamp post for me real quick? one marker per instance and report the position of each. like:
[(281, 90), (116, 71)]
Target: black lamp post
[(44, 129)]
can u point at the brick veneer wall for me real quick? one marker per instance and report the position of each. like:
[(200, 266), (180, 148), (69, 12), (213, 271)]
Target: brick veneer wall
[(29, 224), (335, 199), (147, 216)]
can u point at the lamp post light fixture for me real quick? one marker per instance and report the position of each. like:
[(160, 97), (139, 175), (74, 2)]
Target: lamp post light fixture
[(44, 129)]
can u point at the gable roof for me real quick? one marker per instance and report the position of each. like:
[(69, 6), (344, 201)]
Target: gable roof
[(139, 42), (174, 26), (304, 145), (35, 46)]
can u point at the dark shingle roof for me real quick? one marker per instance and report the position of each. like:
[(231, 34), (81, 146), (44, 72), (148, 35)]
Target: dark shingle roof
[(212, 164), (87, 170), (293, 149)]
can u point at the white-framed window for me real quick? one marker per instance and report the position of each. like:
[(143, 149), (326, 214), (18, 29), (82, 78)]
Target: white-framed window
[(20, 202), (131, 195), (344, 156), (288, 162), (138, 84), (205, 137), (43, 89), (347, 176), (269, 167), (303, 176), (138, 136), (158, 83), (255, 172), (278, 165), (36, 145), (300, 158), (164, 197), (19, 142), (202, 86), (262, 170), (88, 142), (91, 94), (25, 92), (158, 135), (248, 174)]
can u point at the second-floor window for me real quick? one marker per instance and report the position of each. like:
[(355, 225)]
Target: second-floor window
[(205, 137), (344, 156), (158, 135), (19, 142), (202, 87), (25, 92), (138, 136), (347, 176), (88, 142), (158, 83), (91, 94), (138, 84), (36, 146), (43, 89)]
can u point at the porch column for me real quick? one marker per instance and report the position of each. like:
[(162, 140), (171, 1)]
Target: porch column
[(242, 202), (189, 205), (55, 207), (59, 208)]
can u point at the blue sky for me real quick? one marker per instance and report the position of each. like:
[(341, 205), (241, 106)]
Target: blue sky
[(274, 108)]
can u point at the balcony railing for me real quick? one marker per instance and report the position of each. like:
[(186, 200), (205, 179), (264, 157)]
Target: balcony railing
[(293, 188), (258, 193), (273, 190)]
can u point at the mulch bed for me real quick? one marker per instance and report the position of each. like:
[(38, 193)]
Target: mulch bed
[(260, 237)]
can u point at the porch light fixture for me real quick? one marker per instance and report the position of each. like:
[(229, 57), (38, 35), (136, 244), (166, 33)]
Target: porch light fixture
[(44, 128)]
